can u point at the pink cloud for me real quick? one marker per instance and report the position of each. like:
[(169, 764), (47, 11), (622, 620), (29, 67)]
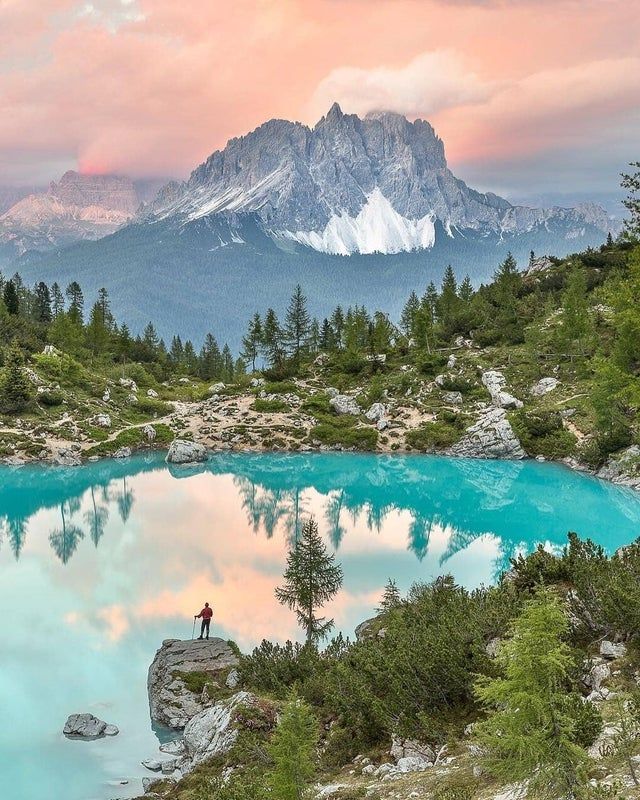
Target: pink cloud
[(157, 87)]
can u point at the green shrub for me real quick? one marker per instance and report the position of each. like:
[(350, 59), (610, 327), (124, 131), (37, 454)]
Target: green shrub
[(597, 450), (268, 406), (150, 407), (316, 404), (430, 364), (333, 433), (542, 433), (280, 387), (51, 398), (432, 435)]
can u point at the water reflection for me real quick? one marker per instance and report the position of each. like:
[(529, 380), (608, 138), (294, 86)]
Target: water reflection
[(519, 503)]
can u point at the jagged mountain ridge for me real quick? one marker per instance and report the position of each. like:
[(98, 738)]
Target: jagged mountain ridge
[(74, 208), (351, 185)]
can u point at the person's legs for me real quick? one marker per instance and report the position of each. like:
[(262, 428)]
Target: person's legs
[(206, 624), (202, 626)]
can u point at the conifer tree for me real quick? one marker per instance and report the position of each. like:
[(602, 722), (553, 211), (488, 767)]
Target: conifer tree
[(337, 324), (409, 315), (536, 719), (42, 303), (390, 598), (251, 342), (312, 578), (293, 752), (631, 182), (57, 300), (272, 347), (15, 388), (11, 299), (76, 303), (297, 326)]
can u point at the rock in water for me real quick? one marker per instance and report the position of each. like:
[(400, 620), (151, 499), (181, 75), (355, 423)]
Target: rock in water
[(170, 701), (86, 726), (182, 451), (491, 437)]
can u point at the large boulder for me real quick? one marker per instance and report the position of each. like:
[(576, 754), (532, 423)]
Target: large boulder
[(490, 437), (182, 451), (171, 702), (213, 731), (86, 726), (623, 467), (544, 386), (612, 650), (376, 412), (343, 404)]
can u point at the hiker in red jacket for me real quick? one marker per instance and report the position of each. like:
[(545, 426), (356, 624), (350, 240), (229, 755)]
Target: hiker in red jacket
[(206, 615)]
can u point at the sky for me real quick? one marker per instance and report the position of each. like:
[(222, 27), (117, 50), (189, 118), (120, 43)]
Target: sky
[(533, 98)]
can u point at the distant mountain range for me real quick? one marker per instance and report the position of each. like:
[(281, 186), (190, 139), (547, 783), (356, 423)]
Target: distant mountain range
[(284, 204)]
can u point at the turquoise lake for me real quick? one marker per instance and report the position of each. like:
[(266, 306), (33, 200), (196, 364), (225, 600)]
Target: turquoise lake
[(99, 564)]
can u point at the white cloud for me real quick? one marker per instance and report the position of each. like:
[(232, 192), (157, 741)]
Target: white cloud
[(429, 83)]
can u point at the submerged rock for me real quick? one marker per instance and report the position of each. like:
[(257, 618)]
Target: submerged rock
[(182, 451), (170, 701), (86, 726)]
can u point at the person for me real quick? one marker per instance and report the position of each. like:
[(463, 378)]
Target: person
[(206, 615)]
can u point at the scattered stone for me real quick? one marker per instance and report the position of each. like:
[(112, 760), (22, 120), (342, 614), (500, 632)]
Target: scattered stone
[(106, 395), (376, 412), (170, 701), (49, 350), (451, 361), (332, 392), (598, 671), (129, 383), (152, 393), (411, 749), (382, 424), (86, 726), (184, 380), (100, 421), (216, 388), (343, 404), (65, 457), (493, 645), (611, 650), (256, 382), (150, 432), (623, 468), (452, 398), (544, 386), (182, 451)]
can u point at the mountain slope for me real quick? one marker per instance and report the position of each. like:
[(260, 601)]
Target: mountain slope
[(352, 185)]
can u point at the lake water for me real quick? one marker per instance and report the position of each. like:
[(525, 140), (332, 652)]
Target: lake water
[(99, 564)]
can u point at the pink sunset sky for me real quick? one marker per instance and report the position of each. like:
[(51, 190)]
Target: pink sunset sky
[(530, 96)]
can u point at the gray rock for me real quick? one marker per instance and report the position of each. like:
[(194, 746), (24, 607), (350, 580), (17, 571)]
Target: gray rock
[(623, 468), (87, 726), (544, 386), (152, 764), (170, 702), (490, 437), (152, 394), (233, 679), (129, 383), (100, 421), (495, 383), (413, 764), (382, 424), (412, 749), (451, 361), (256, 382), (213, 730), (343, 404), (216, 388), (182, 451), (612, 650), (597, 672), (122, 452), (67, 458), (376, 412), (452, 398), (149, 432)]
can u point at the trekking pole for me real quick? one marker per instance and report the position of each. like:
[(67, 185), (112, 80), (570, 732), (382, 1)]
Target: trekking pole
[(193, 632)]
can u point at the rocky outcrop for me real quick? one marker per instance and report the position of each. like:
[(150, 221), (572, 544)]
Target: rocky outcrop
[(490, 437), (212, 731), (623, 468), (86, 726), (171, 703), (612, 650), (376, 412), (343, 404), (182, 451)]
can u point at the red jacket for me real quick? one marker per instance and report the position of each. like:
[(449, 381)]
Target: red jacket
[(206, 613)]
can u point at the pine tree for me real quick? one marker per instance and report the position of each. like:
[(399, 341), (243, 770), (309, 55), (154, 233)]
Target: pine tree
[(312, 578), (535, 717), (251, 342), (210, 362), (97, 333), (297, 326), (409, 315), (293, 752), (465, 292), (57, 300), (576, 325), (150, 339), (631, 182), (42, 303), (227, 364), (390, 598), (104, 304), (15, 387), (76, 303), (448, 302), (272, 347), (337, 324), (11, 299)]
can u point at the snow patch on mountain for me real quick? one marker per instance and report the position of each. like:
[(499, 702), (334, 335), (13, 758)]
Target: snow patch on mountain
[(377, 228)]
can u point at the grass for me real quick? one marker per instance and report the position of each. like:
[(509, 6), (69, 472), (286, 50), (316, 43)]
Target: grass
[(268, 406), (134, 438), (432, 435)]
